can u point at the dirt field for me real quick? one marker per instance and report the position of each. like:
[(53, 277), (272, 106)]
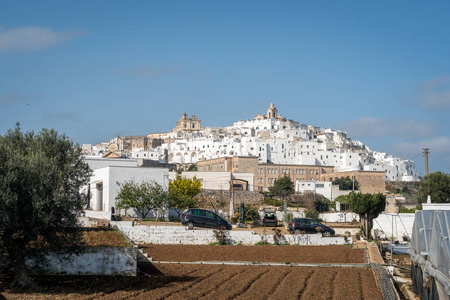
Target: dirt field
[(174, 281), (281, 254)]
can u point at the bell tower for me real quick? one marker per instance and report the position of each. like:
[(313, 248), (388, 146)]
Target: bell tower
[(272, 111)]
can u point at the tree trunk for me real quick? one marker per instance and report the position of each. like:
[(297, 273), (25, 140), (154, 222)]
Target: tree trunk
[(22, 280)]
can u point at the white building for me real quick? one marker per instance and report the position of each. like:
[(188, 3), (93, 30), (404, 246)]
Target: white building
[(106, 181), (275, 139)]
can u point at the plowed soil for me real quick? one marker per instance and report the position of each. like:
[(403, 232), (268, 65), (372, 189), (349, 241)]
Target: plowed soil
[(184, 281), (280, 254)]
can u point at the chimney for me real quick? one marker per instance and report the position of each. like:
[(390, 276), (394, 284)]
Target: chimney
[(428, 199)]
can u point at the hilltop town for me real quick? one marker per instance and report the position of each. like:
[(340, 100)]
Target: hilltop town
[(270, 139)]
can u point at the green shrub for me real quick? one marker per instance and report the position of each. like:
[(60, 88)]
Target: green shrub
[(312, 213), (262, 243), (251, 213)]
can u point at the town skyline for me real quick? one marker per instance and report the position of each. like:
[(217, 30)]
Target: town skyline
[(377, 71)]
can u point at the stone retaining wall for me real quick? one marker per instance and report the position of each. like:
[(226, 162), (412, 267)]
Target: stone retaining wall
[(143, 234), (221, 199), (93, 261)]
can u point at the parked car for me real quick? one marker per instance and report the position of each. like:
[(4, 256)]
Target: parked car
[(307, 225), (196, 217), (270, 218)]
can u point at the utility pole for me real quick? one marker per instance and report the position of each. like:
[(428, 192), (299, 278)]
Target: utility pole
[(231, 199), (426, 151)]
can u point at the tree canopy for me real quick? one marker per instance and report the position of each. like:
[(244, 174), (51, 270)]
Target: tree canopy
[(192, 168), (41, 176), (182, 192), (368, 206), (282, 187), (143, 197), (346, 183), (438, 185)]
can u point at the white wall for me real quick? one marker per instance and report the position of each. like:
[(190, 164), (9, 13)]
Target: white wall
[(94, 261), (96, 162), (339, 217), (112, 177), (395, 225), (211, 180)]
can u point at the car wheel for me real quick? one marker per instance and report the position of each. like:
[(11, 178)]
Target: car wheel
[(326, 233), (189, 225), (297, 231), (222, 227)]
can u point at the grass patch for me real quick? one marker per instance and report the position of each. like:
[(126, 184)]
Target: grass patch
[(103, 237)]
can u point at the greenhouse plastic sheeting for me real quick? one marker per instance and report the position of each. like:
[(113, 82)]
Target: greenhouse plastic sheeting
[(430, 245)]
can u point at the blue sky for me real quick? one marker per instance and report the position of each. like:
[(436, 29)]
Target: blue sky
[(93, 69)]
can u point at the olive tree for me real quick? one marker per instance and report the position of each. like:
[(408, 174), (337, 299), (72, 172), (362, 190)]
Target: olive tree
[(143, 197), (368, 206), (41, 176)]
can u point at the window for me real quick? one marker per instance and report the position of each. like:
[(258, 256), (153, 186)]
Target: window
[(320, 185), (198, 212), (209, 214)]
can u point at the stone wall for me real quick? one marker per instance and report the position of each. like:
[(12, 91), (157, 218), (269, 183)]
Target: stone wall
[(370, 182), (221, 199), (178, 235)]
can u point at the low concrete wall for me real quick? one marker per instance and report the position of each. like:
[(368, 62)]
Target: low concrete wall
[(342, 231), (143, 234), (97, 214), (94, 261), (338, 217)]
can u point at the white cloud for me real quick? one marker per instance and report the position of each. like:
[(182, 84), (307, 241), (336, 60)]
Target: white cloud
[(436, 82), (412, 128), (11, 97), (370, 126), (365, 126), (33, 38), (440, 144), (435, 94), (436, 100)]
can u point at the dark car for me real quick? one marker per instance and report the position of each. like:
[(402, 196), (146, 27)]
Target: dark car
[(196, 217), (307, 225), (270, 218)]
